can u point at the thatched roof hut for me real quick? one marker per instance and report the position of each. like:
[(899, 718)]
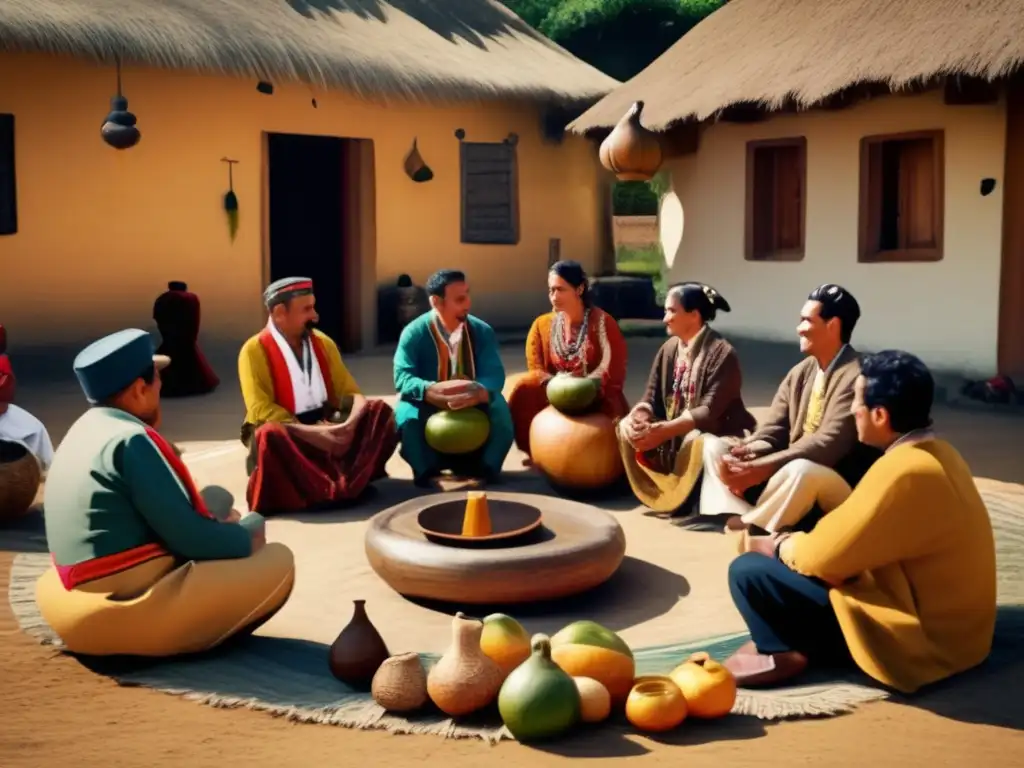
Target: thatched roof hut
[(420, 50), (776, 53)]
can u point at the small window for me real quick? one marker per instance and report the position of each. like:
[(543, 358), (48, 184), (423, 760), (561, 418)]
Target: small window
[(490, 206), (776, 195), (901, 197), (8, 185)]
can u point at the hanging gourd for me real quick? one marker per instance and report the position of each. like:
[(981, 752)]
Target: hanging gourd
[(119, 129), (415, 168), (630, 151), (231, 199)]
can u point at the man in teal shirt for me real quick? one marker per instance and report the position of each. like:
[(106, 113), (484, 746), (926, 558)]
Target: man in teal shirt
[(144, 564)]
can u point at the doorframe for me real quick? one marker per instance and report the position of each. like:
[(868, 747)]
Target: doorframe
[(358, 218), (1010, 349)]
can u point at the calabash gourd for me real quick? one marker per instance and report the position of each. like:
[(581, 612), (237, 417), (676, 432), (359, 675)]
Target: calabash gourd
[(586, 649), (630, 151), (656, 706), (457, 432), (464, 679), (709, 688), (575, 452), (539, 700), (571, 394), (505, 641)]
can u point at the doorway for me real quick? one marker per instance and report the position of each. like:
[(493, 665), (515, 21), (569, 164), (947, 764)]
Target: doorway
[(1011, 299), (306, 221)]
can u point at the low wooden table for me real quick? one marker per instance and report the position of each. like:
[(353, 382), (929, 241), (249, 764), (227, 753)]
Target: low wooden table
[(576, 548)]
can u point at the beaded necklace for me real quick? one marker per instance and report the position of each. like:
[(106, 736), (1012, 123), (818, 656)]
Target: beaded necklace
[(683, 384), (569, 352)]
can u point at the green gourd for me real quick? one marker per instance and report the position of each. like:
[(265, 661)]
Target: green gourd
[(538, 700), (571, 394), (457, 432)]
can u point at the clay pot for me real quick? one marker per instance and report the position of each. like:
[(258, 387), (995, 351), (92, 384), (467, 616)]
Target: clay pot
[(464, 678), (630, 151), (20, 476), (559, 443), (359, 650), (656, 706), (400, 684)]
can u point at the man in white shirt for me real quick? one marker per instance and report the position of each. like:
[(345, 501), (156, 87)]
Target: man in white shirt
[(18, 425)]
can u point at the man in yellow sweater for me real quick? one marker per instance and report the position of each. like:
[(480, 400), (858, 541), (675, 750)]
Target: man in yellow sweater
[(900, 578)]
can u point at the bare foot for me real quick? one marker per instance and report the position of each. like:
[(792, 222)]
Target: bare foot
[(752, 669), (735, 523), (456, 483)]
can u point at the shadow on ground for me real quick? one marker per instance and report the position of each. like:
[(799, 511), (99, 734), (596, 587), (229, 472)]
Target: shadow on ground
[(639, 591)]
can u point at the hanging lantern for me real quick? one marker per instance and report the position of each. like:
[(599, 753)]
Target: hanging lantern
[(119, 130), (631, 152)]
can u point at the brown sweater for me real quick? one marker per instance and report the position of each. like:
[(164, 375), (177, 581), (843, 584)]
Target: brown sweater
[(780, 436), (717, 406)]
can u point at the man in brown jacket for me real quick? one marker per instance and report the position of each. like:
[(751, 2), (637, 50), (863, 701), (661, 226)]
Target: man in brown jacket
[(805, 453)]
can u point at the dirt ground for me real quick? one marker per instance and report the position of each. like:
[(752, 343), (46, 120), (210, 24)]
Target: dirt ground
[(57, 712)]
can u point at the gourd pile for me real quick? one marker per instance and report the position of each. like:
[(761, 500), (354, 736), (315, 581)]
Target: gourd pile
[(545, 686)]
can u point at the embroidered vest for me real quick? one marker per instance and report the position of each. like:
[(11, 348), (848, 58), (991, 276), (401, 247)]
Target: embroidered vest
[(465, 365)]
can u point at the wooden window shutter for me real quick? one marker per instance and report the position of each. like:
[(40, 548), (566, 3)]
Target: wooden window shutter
[(8, 185), (917, 194), (490, 211), (788, 199)]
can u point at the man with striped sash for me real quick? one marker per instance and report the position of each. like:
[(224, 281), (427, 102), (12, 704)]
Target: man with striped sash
[(449, 359), (314, 440), (143, 563)]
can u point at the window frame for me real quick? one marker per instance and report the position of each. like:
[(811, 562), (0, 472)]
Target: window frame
[(9, 118), (790, 254), (868, 226), (469, 236)]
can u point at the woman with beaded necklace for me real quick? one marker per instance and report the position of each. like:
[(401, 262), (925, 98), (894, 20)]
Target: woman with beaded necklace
[(575, 338)]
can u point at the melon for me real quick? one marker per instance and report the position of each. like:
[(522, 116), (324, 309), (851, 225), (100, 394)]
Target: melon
[(505, 641), (586, 649), (571, 394), (458, 432)]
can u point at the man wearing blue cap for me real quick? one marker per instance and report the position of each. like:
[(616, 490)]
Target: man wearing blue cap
[(314, 440), (141, 565)]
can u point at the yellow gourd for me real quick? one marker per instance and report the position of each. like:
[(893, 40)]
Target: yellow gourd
[(709, 688)]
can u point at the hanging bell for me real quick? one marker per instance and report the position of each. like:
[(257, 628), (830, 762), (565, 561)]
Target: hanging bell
[(119, 130)]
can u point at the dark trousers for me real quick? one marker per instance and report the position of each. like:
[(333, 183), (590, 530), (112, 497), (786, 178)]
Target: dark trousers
[(785, 611)]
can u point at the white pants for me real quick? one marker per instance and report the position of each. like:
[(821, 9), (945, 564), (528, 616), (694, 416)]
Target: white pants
[(790, 494)]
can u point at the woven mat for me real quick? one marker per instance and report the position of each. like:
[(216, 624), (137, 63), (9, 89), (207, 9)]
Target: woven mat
[(288, 677)]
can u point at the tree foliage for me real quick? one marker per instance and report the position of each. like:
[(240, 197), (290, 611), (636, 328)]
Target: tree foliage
[(619, 37)]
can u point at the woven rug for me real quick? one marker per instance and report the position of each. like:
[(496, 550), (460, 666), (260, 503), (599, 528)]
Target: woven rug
[(289, 677)]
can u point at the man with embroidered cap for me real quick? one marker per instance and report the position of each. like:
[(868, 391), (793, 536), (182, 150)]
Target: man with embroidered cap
[(804, 456), (314, 440), (143, 564)]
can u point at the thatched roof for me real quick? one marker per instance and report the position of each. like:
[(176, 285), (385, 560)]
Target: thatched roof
[(779, 52), (422, 50)]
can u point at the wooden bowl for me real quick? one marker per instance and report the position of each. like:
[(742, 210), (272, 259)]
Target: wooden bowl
[(577, 548), (509, 520)]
